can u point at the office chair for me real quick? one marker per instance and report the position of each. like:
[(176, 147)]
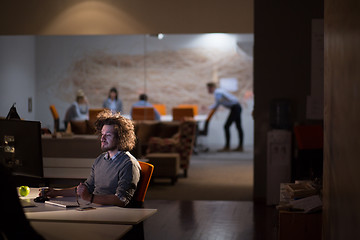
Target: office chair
[(193, 106), (203, 132), (137, 232), (161, 108), (309, 160), (145, 177), (55, 115), (143, 113), (93, 112), (179, 113)]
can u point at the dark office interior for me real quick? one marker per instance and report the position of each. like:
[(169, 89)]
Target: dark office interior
[(282, 71)]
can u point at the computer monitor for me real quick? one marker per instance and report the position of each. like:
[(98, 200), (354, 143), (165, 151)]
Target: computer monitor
[(20, 147)]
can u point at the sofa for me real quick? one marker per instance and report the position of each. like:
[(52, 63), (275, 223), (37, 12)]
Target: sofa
[(166, 137)]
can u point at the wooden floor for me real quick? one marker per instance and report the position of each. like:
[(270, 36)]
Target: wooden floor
[(210, 220)]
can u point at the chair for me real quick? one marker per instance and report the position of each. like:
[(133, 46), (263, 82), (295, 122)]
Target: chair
[(145, 177), (206, 126), (143, 113), (182, 143), (161, 108), (203, 132), (309, 136), (193, 106), (309, 160), (167, 165), (179, 113), (93, 112), (55, 115)]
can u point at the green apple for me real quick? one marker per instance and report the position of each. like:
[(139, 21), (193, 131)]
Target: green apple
[(24, 191)]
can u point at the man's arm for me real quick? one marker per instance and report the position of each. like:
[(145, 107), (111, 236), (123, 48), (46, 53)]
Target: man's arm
[(106, 200), (66, 192), (83, 192)]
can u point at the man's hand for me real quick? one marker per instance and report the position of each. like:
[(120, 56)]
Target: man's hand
[(83, 192), (50, 192)]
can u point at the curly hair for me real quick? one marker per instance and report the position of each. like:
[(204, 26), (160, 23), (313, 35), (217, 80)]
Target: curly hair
[(123, 126)]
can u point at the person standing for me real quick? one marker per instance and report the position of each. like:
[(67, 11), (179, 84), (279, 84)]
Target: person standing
[(115, 173), (224, 98), (113, 102)]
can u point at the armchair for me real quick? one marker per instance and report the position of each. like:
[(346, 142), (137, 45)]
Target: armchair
[(182, 143)]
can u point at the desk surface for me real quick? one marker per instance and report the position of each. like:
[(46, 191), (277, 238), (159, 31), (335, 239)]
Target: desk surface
[(65, 230), (102, 214), (199, 118), (169, 118)]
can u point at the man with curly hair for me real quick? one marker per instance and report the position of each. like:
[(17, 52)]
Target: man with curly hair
[(115, 173)]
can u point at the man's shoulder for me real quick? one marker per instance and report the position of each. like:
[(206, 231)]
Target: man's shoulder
[(132, 159), (219, 91)]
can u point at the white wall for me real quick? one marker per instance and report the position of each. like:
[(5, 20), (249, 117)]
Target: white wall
[(54, 57), (179, 65), (17, 75)]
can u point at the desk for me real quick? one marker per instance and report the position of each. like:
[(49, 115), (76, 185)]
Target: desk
[(169, 118), (102, 215), (198, 118), (104, 222), (63, 230)]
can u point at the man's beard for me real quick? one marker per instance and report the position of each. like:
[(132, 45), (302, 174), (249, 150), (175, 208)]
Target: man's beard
[(109, 147)]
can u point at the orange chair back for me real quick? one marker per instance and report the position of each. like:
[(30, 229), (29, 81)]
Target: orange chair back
[(54, 112), (143, 113), (93, 112), (193, 106), (145, 177), (161, 108), (179, 113)]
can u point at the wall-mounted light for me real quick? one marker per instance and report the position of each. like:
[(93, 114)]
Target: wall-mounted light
[(158, 35)]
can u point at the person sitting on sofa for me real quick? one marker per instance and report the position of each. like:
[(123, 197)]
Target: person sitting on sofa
[(115, 173), (79, 109), (143, 102)]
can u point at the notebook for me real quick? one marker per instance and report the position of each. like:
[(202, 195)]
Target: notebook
[(62, 203)]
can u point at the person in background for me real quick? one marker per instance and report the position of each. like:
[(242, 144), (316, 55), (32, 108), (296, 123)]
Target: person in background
[(222, 97), (79, 109), (113, 102), (143, 102), (115, 173)]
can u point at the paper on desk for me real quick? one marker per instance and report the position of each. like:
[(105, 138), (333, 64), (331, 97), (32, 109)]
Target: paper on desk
[(307, 204)]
